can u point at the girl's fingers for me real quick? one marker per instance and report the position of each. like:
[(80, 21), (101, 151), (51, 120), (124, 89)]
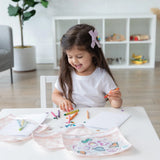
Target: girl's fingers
[(114, 94), (62, 107), (65, 106)]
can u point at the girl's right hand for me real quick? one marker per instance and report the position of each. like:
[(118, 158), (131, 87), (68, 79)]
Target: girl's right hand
[(66, 105)]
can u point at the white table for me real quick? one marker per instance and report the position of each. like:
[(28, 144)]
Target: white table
[(138, 130)]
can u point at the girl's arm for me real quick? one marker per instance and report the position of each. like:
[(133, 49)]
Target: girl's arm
[(115, 98), (63, 103)]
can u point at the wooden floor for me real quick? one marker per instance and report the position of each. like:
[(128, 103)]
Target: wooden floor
[(139, 87)]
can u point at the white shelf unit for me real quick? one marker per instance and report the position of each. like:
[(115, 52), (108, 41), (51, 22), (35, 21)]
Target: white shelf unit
[(106, 25)]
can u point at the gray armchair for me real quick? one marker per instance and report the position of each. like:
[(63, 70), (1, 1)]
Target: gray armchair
[(6, 49)]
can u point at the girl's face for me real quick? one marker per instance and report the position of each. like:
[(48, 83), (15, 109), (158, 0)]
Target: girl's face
[(81, 61)]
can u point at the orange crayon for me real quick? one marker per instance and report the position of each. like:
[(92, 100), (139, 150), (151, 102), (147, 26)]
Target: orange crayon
[(87, 114), (106, 96), (73, 115)]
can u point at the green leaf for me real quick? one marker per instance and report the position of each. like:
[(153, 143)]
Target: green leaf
[(28, 15), (44, 3), (13, 11)]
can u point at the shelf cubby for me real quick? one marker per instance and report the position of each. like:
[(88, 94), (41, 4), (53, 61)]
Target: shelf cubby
[(107, 25)]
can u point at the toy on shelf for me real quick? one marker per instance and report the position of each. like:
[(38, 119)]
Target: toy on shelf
[(115, 37), (111, 60), (139, 37), (156, 11), (138, 59)]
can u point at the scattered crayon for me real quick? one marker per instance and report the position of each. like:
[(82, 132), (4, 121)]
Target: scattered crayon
[(71, 112), (87, 114), (19, 122), (81, 152), (24, 125), (58, 113), (55, 117), (73, 115)]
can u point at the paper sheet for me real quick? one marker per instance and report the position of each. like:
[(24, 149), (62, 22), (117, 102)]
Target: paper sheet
[(12, 128), (108, 119)]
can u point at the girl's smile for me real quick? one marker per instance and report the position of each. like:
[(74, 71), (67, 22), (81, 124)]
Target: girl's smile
[(78, 66), (81, 61)]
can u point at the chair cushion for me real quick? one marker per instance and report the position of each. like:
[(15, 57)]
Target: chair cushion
[(3, 51), (5, 59)]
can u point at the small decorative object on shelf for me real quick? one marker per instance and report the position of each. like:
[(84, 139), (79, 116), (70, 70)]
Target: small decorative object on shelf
[(139, 37), (115, 37), (138, 59), (111, 60), (156, 11)]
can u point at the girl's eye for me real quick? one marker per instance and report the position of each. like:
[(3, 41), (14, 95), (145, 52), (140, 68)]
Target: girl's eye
[(79, 56), (69, 57)]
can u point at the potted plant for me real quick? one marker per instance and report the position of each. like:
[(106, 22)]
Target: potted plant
[(24, 56)]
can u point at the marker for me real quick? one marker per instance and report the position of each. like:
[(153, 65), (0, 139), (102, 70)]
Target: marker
[(87, 114), (71, 112), (106, 96), (73, 115), (54, 115)]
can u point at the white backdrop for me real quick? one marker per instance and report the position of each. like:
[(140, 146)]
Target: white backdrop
[(38, 30)]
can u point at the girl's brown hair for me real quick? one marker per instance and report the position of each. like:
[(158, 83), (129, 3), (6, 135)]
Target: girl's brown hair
[(78, 36)]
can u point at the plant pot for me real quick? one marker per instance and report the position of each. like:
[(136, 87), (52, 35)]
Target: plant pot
[(24, 58)]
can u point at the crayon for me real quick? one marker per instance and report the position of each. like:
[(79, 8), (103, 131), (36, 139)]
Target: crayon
[(59, 113), (81, 152), (106, 96), (73, 115), (19, 123), (71, 112), (54, 115), (22, 122), (87, 114), (24, 125)]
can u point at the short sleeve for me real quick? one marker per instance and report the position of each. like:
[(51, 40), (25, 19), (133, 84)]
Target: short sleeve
[(108, 83)]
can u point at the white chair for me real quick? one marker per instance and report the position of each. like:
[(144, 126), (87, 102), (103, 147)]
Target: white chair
[(43, 89)]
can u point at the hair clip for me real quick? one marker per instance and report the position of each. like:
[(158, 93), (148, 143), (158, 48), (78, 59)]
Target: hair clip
[(94, 35)]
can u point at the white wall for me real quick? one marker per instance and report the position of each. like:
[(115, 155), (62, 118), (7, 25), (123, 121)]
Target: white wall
[(38, 30)]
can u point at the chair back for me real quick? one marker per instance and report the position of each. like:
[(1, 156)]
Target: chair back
[(44, 80), (6, 49)]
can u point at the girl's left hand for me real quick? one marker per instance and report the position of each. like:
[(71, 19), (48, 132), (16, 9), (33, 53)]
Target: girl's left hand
[(114, 94), (114, 97)]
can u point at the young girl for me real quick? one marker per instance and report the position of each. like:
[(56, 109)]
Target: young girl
[(85, 77)]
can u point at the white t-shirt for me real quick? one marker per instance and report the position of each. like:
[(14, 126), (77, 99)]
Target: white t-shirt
[(89, 91)]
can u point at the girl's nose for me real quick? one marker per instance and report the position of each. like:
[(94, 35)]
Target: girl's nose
[(75, 60)]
